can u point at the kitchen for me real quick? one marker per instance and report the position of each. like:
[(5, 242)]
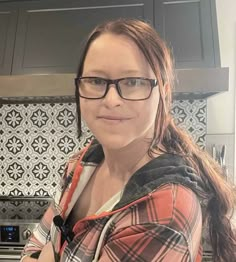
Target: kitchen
[(33, 93)]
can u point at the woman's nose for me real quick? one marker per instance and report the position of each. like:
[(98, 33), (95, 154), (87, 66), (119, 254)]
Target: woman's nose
[(112, 97)]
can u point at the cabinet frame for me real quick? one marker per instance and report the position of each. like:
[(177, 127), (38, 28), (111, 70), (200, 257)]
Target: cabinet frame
[(8, 15)]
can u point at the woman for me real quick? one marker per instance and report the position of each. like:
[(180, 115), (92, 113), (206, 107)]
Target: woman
[(142, 191)]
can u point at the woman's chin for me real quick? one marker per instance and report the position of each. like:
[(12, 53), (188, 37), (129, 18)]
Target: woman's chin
[(113, 143)]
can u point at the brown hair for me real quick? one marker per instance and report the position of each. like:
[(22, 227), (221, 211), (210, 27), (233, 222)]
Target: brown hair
[(170, 138)]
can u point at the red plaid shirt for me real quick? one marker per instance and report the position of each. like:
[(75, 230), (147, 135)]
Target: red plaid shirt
[(164, 224)]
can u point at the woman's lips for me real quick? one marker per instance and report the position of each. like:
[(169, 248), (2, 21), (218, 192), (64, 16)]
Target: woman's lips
[(113, 119)]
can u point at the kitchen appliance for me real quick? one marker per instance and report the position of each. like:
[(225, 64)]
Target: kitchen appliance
[(18, 217)]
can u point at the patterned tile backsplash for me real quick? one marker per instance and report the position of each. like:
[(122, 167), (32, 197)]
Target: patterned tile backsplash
[(37, 139)]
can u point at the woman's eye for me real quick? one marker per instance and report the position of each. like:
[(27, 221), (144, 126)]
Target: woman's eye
[(135, 82), (131, 82), (96, 81)]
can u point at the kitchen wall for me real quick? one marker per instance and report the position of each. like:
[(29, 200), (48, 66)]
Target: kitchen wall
[(221, 108), (37, 139)]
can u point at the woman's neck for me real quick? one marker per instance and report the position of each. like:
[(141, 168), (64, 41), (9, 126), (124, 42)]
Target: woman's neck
[(122, 163)]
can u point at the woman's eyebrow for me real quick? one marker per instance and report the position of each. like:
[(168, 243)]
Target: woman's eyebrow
[(128, 71)]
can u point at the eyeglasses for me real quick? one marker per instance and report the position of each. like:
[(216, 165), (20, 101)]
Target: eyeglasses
[(129, 88)]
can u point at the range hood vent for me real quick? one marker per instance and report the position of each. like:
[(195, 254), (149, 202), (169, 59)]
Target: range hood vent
[(190, 84), (200, 83)]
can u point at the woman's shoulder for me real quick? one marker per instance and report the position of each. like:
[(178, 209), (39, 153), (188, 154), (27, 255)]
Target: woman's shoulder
[(178, 207), (178, 196), (170, 205), (72, 161), (83, 156), (170, 209)]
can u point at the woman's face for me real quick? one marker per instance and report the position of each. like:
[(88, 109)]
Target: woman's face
[(114, 121)]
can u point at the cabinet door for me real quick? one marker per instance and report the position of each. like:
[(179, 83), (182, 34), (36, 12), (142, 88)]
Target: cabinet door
[(49, 35), (8, 20), (190, 29)]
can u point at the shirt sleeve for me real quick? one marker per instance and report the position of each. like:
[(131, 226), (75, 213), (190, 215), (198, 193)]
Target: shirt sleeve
[(43, 232), (166, 227)]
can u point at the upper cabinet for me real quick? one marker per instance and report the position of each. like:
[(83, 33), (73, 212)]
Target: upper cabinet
[(45, 36), (50, 33), (8, 21), (190, 29)]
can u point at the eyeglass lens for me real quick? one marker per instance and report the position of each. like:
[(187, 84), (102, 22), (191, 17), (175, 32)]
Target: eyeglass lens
[(129, 88)]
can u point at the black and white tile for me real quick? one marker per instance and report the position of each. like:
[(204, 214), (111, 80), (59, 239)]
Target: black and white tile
[(36, 140), (191, 116)]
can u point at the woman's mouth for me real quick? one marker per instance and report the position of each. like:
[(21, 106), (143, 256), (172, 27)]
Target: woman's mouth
[(113, 119)]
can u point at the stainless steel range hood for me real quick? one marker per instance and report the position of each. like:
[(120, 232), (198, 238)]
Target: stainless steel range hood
[(190, 84), (201, 83)]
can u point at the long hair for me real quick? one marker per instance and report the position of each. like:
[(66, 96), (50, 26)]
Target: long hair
[(170, 138)]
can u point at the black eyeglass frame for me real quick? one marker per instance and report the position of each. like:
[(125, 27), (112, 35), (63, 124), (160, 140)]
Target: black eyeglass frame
[(153, 83)]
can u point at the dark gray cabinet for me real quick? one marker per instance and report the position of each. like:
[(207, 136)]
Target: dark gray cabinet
[(8, 21), (190, 29), (45, 36), (49, 35)]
